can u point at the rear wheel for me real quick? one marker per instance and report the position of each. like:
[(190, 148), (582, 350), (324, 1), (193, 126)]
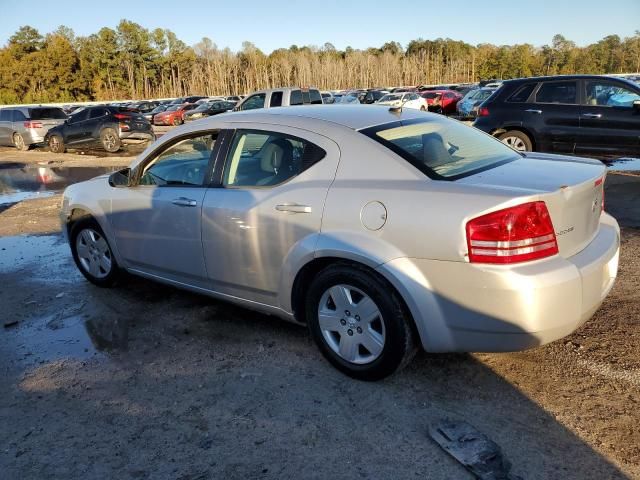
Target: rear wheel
[(358, 322), (422, 108), (110, 140), (19, 142), (517, 140), (92, 253), (177, 121), (56, 144)]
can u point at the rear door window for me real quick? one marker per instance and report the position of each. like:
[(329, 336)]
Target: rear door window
[(296, 97), (5, 115), (276, 99), (557, 92), (97, 113)]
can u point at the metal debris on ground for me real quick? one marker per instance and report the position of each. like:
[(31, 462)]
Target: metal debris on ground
[(473, 449)]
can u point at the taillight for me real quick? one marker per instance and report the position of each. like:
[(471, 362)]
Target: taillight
[(483, 112), (516, 234), (121, 116), (32, 124), (597, 183)]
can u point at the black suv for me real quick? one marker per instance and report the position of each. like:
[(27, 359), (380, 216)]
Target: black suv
[(107, 126), (582, 114)]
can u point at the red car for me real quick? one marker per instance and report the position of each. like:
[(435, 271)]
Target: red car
[(442, 101), (174, 115)]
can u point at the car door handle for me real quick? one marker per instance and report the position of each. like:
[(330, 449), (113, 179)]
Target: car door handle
[(184, 202), (533, 110), (293, 208), (592, 115)]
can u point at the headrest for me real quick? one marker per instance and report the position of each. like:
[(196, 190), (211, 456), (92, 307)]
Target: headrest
[(276, 155)]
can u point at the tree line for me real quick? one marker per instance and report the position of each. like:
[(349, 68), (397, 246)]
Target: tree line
[(132, 62)]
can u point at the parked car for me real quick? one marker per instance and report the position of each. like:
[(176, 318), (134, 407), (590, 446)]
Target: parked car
[(208, 109), (327, 97), (404, 89), (159, 109), (280, 97), (380, 230), (143, 107), (109, 127), (233, 98), (468, 106), (442, 101), (580, 114), (191, 99), (372, 96), (23, 127), (347, 98), (173, 115), (405, 100)]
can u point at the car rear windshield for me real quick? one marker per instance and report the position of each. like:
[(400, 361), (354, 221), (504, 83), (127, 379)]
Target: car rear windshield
[(46, 114), (443, 149)]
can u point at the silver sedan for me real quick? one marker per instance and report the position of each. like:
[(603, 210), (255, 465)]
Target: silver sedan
[(381, 230)]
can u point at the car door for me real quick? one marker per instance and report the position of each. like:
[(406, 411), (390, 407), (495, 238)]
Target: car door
[(75, 130), (554, 115), (609, 123), (269, 204), (157, 221)]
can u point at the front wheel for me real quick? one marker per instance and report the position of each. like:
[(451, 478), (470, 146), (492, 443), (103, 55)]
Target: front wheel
[(360, 326), (110, 140), (177, 121), (517, 140), (56, 144), (92, 253)]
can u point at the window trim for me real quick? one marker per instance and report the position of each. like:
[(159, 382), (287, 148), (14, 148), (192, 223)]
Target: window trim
[(138, 171), (372, 131), (542, 84), (224, 159)]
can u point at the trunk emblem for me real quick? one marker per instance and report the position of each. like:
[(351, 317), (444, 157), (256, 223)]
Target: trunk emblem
[(570, 229)]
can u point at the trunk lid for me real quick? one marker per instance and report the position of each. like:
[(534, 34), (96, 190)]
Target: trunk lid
[(572, 188)]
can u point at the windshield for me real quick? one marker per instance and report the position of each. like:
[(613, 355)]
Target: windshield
[(173, 108), (443, 149), (158, 109), (432, 95)]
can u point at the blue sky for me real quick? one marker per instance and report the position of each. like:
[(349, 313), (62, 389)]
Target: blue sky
[(360, 24)]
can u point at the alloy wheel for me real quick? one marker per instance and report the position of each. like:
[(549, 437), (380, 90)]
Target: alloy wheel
[(18, 141), (516, 143), (351, 324), (109, 141), (93, 252)]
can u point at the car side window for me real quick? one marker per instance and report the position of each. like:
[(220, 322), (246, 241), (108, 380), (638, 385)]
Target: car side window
[(183, 163), (609, 94), (253, 102), (276, 99), (79, 117), (522, 94), (557, 92), (316, 98), (18, 116), (296, 97), (5, 115), (97, 113), (264, 159)]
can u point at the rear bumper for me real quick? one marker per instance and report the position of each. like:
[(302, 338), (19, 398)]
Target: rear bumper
[(460, 306)]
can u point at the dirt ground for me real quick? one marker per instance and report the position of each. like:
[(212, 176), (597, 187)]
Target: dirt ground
[(148, 382)]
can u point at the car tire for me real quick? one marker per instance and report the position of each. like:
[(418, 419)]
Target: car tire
[(92, 253), (19, 143), (517, 140), (176, 121), (56, 144), (110, 140), (422, 109), (374, 347)]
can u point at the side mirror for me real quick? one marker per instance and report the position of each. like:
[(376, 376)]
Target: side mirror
[(636, 105), (121, 178)]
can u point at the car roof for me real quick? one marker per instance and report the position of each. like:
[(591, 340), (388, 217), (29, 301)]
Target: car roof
[(560, 77), (351, 116)]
